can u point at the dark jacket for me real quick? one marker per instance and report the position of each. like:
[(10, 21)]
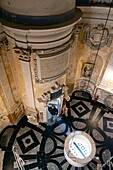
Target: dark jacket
[(53, 111)]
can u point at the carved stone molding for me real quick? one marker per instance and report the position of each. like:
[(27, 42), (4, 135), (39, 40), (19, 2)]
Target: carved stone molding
[(35, 68), (78, 28), (24, 57), (55, 50), (23, 54)]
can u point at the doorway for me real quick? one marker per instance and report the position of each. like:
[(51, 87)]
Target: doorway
[(57, 103)]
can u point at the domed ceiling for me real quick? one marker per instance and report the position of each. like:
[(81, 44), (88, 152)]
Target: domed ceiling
[(39, 13), (37, 7)]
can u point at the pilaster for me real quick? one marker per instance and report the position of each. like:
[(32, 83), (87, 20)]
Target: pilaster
[(5, 88), (24, 60)]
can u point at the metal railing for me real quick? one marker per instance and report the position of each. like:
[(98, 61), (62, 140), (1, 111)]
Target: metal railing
[(109, 163), (19, 161)]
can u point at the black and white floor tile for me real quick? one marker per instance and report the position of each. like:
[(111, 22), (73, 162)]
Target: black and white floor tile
[(42, 147)]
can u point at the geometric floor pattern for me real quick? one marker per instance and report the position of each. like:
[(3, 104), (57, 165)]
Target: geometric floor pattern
[(42, 147)]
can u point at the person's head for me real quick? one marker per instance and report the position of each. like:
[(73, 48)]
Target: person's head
[(53, 106)]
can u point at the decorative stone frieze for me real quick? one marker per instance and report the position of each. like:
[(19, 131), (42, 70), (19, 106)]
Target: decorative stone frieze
[(96, 37)]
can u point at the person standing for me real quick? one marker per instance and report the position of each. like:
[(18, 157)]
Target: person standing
[(53, 111)]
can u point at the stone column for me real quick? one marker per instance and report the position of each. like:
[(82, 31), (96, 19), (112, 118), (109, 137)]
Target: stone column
[(24, 60), (8, 105), (5, 88)]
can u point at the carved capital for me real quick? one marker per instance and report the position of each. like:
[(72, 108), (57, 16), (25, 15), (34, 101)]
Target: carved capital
[(23, 54)]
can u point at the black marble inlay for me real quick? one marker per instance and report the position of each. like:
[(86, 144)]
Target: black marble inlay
[(108, 124), (80, 109), (41, 160), (27, 141), (49, 155), (40, 20)]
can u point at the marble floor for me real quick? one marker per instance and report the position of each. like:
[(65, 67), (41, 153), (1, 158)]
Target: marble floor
[(42, 147)]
